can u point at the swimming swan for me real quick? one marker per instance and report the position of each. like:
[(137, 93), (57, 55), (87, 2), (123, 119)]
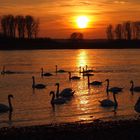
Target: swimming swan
[(113, 89), (59, 71), (6, 71), (38, 86), (67, 92), (108, 102), (94, 83), (136, 89), (57, 100), (137, 106), (45, 74), (73, 77), (5, 108)]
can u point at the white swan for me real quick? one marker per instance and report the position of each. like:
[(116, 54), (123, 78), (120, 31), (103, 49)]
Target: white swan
[(45, 74), (5, 108), (59, 71), (38, 86), (94, 83), (137, 106), (73, 77), (108, 102), (57, 100), (67, 92), (136, 89), (113, 89)]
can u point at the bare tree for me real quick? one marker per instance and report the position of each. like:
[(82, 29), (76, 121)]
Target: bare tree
[(109, 32), (8, 25), (29, 25), (35, 28), (127, 28), (76, 36), (118, 31), (4, 25), (136, 30), (20, 21)]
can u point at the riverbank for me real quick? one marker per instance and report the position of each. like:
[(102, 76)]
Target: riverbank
[(96, 130), (30, 44)]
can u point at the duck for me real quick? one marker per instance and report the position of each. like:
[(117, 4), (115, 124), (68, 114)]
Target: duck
[(136, 89), (5, 108), (113, 89), (56, 100), (37, 86), (67, 92), (45, 74), (108, 102), (137, 106), (73, 77), (94, 83), (59, 71)]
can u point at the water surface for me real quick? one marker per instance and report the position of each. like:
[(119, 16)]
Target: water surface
[(34, 108)]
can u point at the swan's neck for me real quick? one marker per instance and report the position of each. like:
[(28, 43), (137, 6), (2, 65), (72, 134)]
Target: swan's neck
[(53, 97), (107, 87), (56, 69), (33, 85), (115, 100), (10, 104), (88, 81), (83, 70), (42, 72), (57, 91), (69, 76), (80, 69), (86, 67), (132, 86)]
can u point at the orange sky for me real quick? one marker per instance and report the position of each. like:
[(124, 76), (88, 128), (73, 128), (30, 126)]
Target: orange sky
[(57, 17)]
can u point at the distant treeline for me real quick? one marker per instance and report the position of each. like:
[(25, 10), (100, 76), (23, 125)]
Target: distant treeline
[(19, 26), (126, 30)]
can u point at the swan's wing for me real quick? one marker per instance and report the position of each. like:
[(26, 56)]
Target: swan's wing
[(3, 108), (66, 90)]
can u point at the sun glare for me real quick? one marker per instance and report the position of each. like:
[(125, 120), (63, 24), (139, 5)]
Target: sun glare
[(82, 21)]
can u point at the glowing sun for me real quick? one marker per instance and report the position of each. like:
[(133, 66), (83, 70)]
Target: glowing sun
[(82, 21)]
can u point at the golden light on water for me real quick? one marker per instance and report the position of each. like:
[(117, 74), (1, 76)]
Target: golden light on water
[(82, 58)]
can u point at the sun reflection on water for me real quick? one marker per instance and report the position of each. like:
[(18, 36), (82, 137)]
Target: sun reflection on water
[(82, 58)]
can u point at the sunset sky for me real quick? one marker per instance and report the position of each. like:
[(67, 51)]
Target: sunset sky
[(58, 17)]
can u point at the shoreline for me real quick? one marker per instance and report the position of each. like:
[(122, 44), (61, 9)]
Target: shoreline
[(49, 44), (97, 129)]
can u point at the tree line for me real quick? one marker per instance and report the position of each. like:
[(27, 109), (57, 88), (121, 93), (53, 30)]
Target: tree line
[(19, 26), (126, 30)]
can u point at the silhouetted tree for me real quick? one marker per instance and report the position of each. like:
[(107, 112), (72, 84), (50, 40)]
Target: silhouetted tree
[(118, 31), (4, 25), (136, 30), (20, 21), (8, 25), (29, 25), (35, 28), (76, 36), (127, 28), (109, 32)]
